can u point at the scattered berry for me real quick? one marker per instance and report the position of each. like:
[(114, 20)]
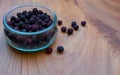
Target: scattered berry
[(63, 29), (60, 49), (83, 23), (70, 31), (73, 23), (76, 27), (48, 50), (59, 22)]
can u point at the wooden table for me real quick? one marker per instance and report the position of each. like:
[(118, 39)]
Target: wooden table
[(92, 50)]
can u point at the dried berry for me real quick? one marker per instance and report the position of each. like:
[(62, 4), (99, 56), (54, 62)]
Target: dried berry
[(40, 11), (13, 18), (70, 31), (59, 22), (30, 21), (35, 10), (9, 23), (48, 50), (19, 14), (24, 12), (83, 23), (73, 23), (60, 49), (76, 27), (63, 29)]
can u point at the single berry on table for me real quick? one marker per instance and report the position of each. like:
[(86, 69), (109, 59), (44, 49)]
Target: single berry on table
[(59, 22), (60, 49), (83, 23), (48, 50), (73, 23), (63, 29), (70, 31), (76, 27)]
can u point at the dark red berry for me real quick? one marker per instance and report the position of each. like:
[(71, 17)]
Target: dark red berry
[(27, 15), (35, 10), (40, 11), (70, 31), (9, 23), (30, 12), (73, 23), (63, 29), (83, 23), (60, 49), (59, 22), (22, 17), (24, 12), (76, 27), (48, 50), (19, 14), (13, 18)]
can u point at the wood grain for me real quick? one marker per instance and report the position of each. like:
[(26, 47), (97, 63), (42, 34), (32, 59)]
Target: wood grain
[(93, 50)]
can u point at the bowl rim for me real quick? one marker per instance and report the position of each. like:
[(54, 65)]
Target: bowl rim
[(30, 33)]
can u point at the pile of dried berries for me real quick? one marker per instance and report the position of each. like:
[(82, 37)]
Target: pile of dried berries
[(74, 26), (30, 21)]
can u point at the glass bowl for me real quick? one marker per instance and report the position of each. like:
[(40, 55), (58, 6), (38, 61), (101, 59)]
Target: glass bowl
[(30, 41)]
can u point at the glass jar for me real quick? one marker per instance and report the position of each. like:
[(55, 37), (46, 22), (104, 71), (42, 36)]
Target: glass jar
[(30, 41)]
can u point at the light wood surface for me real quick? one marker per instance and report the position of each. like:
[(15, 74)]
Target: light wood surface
[(93, 50)]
